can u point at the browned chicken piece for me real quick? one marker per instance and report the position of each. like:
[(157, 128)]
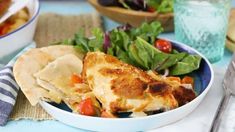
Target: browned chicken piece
[(4, 5), (121, 87)]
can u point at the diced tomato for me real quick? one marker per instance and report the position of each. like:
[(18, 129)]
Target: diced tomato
[(177, 79), (105, 114), (188, 80), (75, 79), (86, 107), (163, 45), (151, 9), (4, 29)]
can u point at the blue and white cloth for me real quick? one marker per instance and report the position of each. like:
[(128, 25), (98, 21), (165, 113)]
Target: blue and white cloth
[(8, 93), (9, 88)]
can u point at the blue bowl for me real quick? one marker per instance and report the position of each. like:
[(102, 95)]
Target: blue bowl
[(203, 75)]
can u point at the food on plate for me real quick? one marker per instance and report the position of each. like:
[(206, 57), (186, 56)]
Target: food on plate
[(121, 87), (55, 77), (101, 85), (4, 5), (32, 62), (14, 22), (161, 6), (127, 71)]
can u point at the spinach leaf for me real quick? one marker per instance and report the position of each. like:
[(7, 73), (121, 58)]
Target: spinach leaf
[(96, 43), (120, 42), (120, 38), (153, 58), (81, 42), (187, 65), (123, 56), (146, 31), (172, 60), (84, 44), (146, 52), (133, 54)]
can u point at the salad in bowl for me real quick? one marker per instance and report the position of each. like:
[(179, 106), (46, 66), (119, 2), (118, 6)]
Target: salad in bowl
[(161, 6)]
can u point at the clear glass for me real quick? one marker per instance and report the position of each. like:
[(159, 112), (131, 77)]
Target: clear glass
[(202, 24)]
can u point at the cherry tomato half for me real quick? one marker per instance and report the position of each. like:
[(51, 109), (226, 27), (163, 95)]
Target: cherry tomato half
[(163, 45), (151, 9)]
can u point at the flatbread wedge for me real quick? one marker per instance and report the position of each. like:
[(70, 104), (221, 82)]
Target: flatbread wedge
[(56, 77), (32, 62)]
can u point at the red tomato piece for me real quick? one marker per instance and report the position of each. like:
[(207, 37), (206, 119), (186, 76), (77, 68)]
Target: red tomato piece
[(76, 79), (5, 28), (151, 9), (177, 79), (163, 45), (188, 80), (86, 107)]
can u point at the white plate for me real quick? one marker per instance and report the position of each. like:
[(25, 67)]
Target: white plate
[(132, 124)]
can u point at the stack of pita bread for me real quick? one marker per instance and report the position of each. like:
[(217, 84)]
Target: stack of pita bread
[(44, 74)]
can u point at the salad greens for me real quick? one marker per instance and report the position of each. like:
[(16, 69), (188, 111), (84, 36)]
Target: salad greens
[(147, 31), (161, 6), (186, 65), (135, 46), (84, 44), (153, 58)]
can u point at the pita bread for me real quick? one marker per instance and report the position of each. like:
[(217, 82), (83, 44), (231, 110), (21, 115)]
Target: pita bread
[(32, 62), (59, 72), (61, 50)]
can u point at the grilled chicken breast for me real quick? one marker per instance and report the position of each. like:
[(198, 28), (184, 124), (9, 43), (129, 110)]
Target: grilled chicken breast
[(121, 87)]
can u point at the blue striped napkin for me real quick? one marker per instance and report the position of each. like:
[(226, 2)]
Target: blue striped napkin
[(9, 88)]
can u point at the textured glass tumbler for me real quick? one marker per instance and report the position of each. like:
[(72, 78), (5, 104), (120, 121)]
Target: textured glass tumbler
[(202, 24)]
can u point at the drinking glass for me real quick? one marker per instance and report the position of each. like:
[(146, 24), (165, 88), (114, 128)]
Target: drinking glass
[(202, 24)]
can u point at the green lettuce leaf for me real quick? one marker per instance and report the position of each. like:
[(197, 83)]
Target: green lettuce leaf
[(161, 6), (153, 58), (186, 65), (146, 31), (96, 43)]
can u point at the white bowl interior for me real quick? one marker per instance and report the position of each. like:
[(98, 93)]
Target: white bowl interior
[(14, 41)]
